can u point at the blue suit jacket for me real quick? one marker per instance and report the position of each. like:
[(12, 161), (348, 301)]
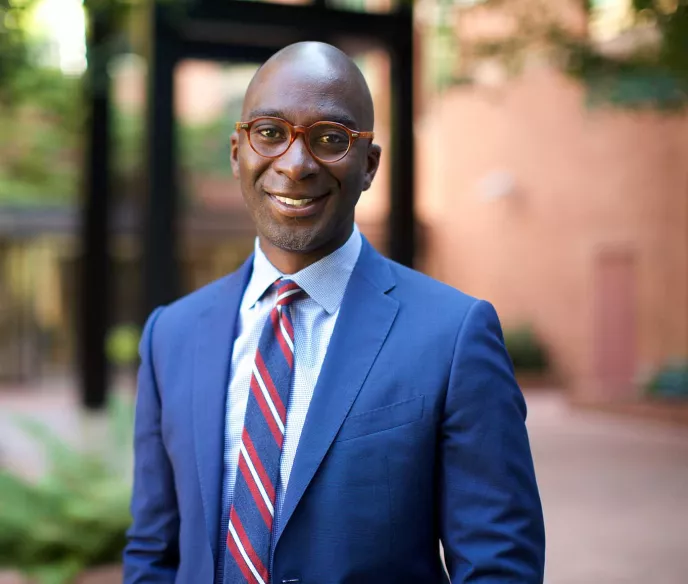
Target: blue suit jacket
[(415, 434)]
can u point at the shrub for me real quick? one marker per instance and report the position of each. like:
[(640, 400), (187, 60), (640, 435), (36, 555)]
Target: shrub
[(75, 517), (525, 349), (670, 381)]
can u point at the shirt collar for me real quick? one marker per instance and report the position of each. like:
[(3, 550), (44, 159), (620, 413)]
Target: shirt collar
[(324, 281)]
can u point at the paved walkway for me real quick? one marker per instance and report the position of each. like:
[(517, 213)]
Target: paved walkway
[(615, 490), (615, 495)]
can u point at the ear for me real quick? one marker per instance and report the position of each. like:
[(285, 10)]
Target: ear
[(234, 154), (372, 164)]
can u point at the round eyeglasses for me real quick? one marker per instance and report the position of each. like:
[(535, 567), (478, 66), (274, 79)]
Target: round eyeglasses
[(326, 141)]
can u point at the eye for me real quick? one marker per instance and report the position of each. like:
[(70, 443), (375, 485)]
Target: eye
[(333, 138), (271, 133)]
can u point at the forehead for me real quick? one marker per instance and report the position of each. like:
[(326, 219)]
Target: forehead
[(304, 94)]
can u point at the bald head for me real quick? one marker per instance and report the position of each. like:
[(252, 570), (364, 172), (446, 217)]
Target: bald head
[(318, 69)]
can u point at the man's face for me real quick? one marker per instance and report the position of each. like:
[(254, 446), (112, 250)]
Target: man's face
[(303, 96)]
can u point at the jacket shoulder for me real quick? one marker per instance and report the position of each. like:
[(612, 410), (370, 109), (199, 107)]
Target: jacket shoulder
[(183, 312), (422, 290)]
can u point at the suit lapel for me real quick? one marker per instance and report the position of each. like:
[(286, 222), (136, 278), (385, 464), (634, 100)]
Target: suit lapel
[(215, 333), (364, 320)]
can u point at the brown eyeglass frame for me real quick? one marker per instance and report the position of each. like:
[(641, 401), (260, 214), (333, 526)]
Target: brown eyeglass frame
[(305, 130)]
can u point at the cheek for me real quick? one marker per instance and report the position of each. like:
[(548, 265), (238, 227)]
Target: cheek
[(250, 170), (352, 184), (350, 175)]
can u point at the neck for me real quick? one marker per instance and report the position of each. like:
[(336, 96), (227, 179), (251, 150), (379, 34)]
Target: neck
[(289, 262)]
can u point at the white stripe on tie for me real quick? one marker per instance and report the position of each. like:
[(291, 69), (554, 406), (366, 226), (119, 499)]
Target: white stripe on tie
[(268, 399), (287, 294), (286, 336), (257, 480), (242, 551)]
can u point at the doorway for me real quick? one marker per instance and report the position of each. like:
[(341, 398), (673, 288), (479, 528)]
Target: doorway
[(615, 324)]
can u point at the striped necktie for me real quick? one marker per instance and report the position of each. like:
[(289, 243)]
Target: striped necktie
[(253, 508)]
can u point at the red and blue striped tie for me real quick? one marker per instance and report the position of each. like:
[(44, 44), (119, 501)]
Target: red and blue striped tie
[(253, 507)]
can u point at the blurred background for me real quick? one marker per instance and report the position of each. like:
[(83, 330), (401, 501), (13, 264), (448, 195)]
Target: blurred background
[(535, 155)]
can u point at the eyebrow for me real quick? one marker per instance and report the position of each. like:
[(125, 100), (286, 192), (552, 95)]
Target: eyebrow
[(339, 117)]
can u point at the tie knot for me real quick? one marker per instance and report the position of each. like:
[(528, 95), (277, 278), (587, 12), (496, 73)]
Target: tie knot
[(287, 292)]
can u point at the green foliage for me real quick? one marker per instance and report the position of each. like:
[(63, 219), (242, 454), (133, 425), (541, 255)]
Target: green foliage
[(647, 78), (40, 145), (671, 381), (76, 516), (443, 48), (628, 84), (41, 122), (15, 52), (122, 344), (42, 113), (41, 117), (671, 17), (525, 349), (128, 135), (205, 148), (58, 95)]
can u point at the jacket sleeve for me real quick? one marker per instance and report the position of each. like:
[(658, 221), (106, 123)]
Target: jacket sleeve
[(152, 551), (491, 522)]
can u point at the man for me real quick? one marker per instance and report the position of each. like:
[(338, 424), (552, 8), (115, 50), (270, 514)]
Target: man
[(324, 415)]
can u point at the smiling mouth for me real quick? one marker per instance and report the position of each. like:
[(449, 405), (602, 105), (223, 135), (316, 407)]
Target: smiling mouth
[(297, 206), (294, 202)]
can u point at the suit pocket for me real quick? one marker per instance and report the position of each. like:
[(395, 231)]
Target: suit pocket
[(385, 418)]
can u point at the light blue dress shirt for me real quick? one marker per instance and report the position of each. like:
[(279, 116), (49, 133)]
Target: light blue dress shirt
[(314, 319)]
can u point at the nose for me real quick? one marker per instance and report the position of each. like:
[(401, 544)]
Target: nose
[(296, 163)]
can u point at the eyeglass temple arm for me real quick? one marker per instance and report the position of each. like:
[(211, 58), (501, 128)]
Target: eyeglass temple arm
[(355, 135)]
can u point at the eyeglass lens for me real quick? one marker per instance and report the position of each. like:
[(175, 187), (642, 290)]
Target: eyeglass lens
[(272, 138)]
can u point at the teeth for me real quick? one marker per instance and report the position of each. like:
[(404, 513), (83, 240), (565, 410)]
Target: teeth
[(294, 202)]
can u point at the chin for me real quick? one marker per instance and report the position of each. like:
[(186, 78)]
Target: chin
[(295, 239)]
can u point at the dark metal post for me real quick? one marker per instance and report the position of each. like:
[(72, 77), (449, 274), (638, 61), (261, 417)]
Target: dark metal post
[(161, 277), (94, 275), (401, 217)]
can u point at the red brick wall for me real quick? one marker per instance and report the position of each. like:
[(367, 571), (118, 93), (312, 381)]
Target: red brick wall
[(582, 181)]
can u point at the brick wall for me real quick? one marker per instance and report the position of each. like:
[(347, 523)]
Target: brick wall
[(574, 183)]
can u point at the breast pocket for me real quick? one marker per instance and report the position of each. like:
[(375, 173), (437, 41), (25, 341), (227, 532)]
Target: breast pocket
[(380, 419)]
